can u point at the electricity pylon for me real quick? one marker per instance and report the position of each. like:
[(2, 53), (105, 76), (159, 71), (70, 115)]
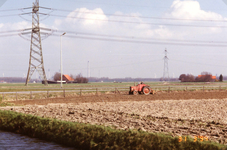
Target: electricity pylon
[(36, 55), (166, 68)]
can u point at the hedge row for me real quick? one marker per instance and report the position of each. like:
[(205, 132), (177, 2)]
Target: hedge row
[(86, 136)]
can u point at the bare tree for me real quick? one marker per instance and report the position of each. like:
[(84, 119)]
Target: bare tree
[(57, 76), (80, 79), (71, 76), (205, 73), (182, 77), (205, 77), (187, 78)]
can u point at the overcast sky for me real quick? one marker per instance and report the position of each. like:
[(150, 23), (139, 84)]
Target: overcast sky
[(119, 38)]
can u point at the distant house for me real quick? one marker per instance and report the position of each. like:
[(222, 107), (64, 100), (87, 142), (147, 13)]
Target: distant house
[(212, 77), (67, 78), (206, 78)]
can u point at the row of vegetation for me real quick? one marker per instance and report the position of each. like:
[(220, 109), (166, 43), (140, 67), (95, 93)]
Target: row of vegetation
[(3, 104), (77, 78), (15, 80), (204, 77), (86, 136)]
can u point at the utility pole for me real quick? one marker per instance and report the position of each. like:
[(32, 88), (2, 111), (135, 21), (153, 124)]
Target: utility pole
[(36, 55), (61, 57), (166, 68), (88, 70)]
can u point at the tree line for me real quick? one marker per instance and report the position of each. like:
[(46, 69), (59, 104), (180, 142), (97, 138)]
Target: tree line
[(15, 80), (128, 79), (77, 78), (204, 77)]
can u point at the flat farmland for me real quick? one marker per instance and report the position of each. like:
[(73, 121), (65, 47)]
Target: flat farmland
[(176, 113), (18, 87), (18, 91)]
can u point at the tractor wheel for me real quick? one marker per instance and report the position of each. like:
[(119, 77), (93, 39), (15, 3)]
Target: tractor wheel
[(146, 90), (135, 92)]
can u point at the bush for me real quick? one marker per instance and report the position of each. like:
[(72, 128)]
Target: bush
[(80, 79), (221, 78), (187, 78), (57, 76), (204, 77), (86, 136)]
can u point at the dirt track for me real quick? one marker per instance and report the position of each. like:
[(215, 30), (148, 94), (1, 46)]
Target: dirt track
[(126, 97), (176, 113)]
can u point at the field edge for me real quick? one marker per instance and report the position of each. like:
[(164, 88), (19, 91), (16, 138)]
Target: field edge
[(86, 136)]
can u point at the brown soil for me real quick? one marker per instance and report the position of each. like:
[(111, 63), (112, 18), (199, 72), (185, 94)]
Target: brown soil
[(125, 97), (175, 113)]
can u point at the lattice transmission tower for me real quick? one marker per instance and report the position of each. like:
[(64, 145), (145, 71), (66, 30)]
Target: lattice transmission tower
[(166, 68), (36, 55)]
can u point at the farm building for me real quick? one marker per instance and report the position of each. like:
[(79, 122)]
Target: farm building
[(206, 78), (67, 78)]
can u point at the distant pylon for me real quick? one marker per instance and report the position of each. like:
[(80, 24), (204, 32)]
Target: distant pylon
[(36, 55), (166, 68)]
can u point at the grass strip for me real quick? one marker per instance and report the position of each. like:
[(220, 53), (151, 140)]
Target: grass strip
[(86, 136)]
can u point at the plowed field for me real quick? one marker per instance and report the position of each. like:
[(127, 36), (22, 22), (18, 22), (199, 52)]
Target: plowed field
[(125, 97), (174, 113)]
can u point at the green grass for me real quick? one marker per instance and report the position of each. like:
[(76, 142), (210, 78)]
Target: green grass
[(86, 136), (73, 89), (3, 104), (16, 87)]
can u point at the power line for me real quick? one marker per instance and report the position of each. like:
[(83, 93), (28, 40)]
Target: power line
[(147, 6), (141, 38), (9, 15), (9, 31), (111, 66), (21, 32), (133, 22), (8, 35), (129, 39), (118, 15), (141, 42), (120, 4), (16, 14), (15, 9), (144, 17), (112, 36), (207, 64), (104, 61), (121, 65)]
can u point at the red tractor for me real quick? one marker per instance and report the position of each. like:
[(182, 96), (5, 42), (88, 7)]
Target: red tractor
[(141, 88)]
